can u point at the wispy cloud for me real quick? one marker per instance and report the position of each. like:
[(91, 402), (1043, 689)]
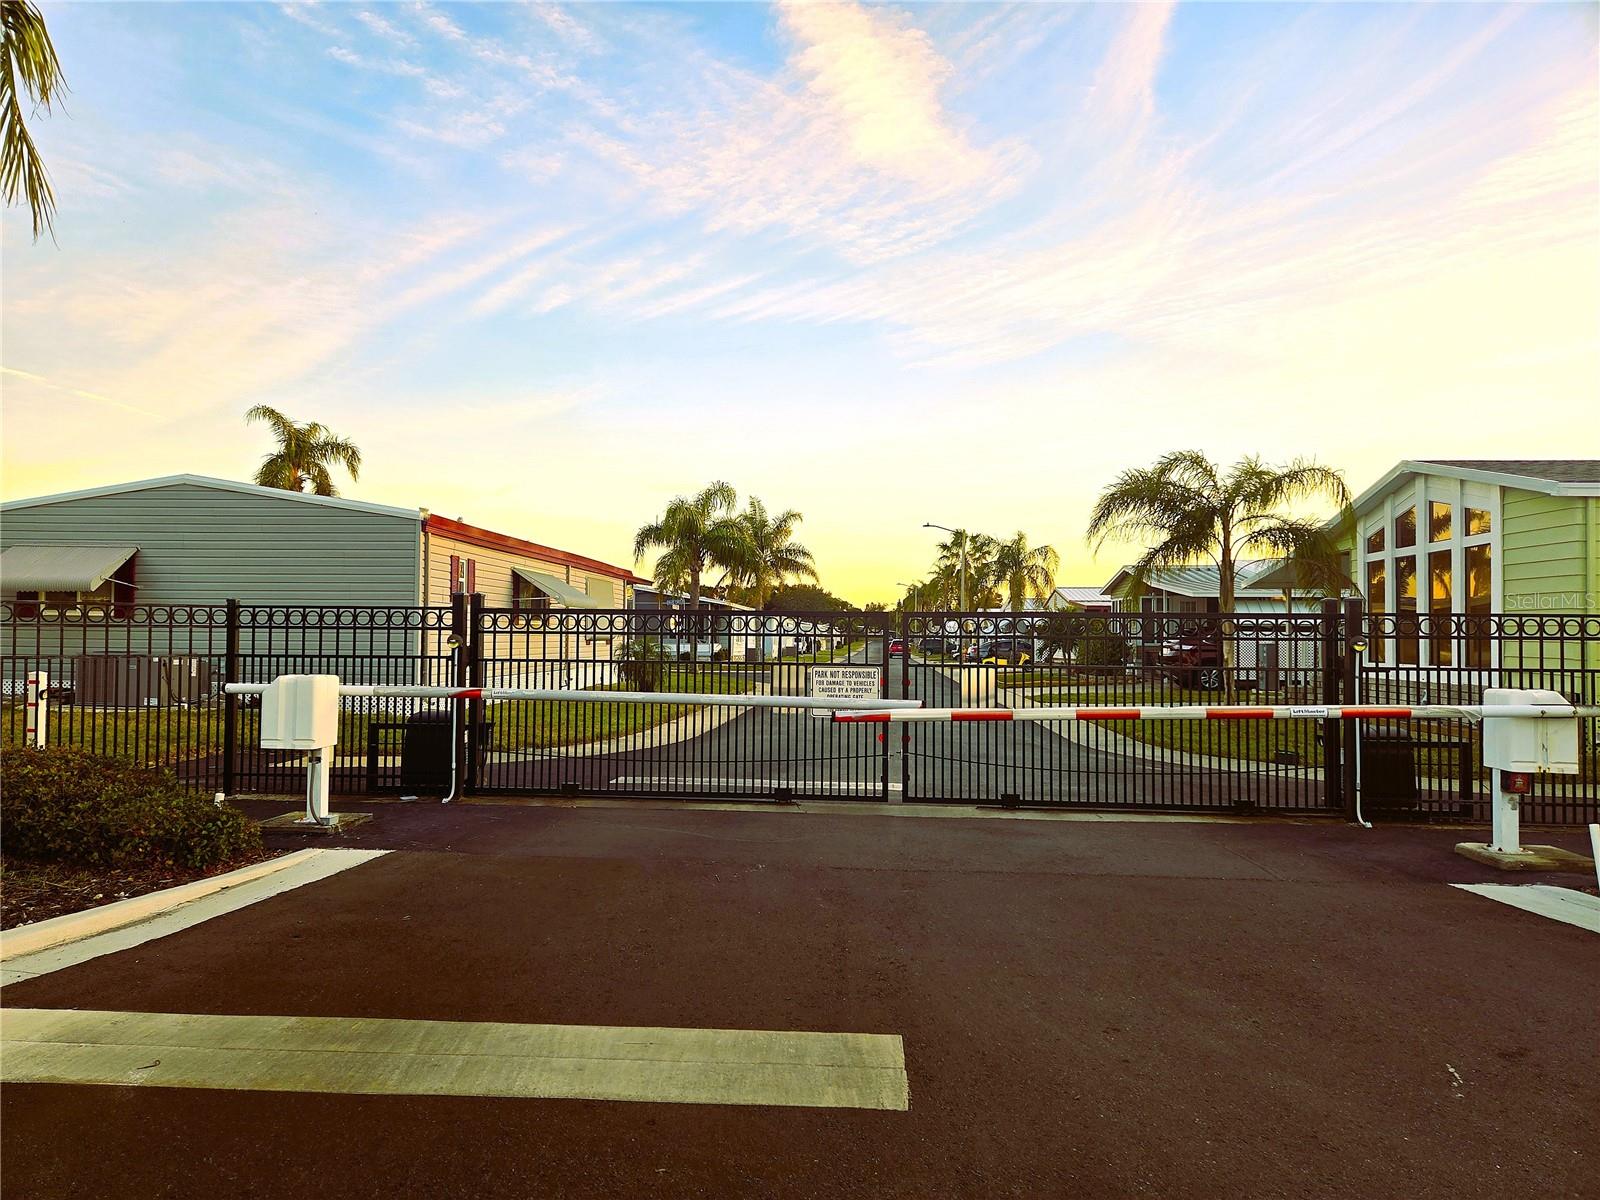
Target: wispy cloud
[(77, 392), (384, 29), (880, 77), (1124, 84)]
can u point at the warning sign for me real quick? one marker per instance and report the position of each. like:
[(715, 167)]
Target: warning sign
[(843, 683)]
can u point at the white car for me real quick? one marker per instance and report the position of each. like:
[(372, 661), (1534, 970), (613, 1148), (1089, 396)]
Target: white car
[(683, 649)]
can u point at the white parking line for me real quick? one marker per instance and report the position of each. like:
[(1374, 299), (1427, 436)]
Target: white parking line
[(1557, 903), (372, 1056)]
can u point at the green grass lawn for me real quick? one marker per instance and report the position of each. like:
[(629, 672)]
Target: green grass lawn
[(534, 724), (160, 736), (168, 736), (1252, 741), (825, 654)]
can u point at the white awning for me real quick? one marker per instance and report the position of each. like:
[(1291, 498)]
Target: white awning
[(558, 590), (60, 568)]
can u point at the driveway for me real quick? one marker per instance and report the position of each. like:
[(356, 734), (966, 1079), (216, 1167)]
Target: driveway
[(1085, 1008)]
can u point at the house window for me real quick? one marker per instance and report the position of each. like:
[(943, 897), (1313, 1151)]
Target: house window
[(1405, 608), (1480, 584), (1429, 579), (1439, 606), (1438, 521), (1377, 602), (54, 601), (527, 598), (1405, 529)]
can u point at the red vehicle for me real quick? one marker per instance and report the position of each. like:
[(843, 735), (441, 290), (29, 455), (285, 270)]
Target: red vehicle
[(896, 646), (1193, 659)]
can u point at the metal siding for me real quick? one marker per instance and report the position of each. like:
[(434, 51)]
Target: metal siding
[(1544, 540), (204, 545), (493, 571)]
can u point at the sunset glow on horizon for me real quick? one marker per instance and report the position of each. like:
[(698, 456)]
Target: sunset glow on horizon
[(549, 266)]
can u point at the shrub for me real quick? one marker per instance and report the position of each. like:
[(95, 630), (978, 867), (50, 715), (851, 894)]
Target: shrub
[(66, 805), (639, 663), (1094, 642)]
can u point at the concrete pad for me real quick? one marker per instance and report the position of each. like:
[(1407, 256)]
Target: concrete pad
[(1530, 858), (1558, 903), (371, 1056), (295, 822)]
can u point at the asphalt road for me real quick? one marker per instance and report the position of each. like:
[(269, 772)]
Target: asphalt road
[(1250, 1010)]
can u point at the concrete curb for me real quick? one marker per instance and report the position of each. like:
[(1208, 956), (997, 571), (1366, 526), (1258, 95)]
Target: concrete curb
[(72, 927)]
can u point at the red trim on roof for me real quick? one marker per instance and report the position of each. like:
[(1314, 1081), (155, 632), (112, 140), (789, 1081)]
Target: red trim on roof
[(487, 538)]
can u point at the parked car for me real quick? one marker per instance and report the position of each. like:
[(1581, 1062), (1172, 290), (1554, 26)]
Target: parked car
[(1006, 652), (683, 649), (896, 646), (1193, 659), (934, 644)]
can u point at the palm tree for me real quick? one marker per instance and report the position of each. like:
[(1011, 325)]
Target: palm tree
[(694, 534), (1025, 570), (26, 55), (304, 454), (1190, 510), (774, 556), (979, 565)]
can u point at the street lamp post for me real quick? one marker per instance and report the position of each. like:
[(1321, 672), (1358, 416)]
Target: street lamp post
[(962, 534)]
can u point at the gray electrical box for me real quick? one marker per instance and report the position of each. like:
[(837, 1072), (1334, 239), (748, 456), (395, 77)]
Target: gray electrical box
[(140, 680)]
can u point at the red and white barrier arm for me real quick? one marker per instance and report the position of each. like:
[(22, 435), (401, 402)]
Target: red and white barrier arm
[(1224, 712), (731, 699)]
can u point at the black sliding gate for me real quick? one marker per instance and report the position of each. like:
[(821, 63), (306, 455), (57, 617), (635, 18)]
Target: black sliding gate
[(145, 683), (1021, 661), (640, 747)]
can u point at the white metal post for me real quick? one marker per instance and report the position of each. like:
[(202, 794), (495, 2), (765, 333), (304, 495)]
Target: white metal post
[(319, 767), (36, 719), (1505, 818)]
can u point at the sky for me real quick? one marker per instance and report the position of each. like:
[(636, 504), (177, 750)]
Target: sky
[(549, 266)]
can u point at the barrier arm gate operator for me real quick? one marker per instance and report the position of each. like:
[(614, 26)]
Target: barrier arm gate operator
[(301, 712), (1526, 731)]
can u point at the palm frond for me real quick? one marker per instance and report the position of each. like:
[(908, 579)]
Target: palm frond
[(26, 57)]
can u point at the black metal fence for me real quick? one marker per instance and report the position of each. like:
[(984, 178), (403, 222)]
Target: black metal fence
[(1433, 769), (146, 684), (647, 748), (1020, 661)]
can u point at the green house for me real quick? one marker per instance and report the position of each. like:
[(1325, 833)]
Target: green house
[(1515, 537)]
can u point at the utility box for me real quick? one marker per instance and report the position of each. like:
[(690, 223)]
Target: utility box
[(1530, 745), (140, 680), (300, 712)]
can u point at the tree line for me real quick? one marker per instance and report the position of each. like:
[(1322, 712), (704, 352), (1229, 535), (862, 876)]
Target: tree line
[(990, 572)]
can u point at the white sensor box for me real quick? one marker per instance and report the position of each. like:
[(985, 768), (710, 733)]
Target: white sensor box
[(1530, 745), (300, 712)]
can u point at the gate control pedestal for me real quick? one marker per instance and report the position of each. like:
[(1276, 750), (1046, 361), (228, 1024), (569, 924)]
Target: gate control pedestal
[(301, 712), (1515, 749)]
